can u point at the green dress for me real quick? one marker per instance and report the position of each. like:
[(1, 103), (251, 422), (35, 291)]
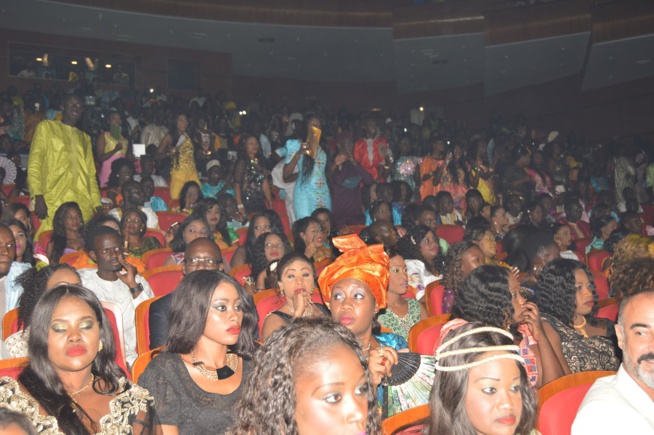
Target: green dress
[(401, 325)]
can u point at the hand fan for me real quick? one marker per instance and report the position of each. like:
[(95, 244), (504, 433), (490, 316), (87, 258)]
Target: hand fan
[(10, 170), (409, 384)]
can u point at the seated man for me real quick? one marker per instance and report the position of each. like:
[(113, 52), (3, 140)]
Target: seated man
[(133, 197), (573, 212), (624, 403), (383, 232), (199, 254), (115, 280)]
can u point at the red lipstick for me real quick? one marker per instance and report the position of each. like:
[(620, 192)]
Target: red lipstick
[(76, 351), (234, 330)]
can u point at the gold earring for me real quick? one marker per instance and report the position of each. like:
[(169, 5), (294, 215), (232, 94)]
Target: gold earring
[(100, 346)]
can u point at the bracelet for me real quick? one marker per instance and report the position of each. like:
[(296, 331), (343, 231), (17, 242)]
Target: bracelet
[(240, 206)]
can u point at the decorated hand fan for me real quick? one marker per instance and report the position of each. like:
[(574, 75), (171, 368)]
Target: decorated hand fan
[(10, 170), (409, 384), (313, 140)]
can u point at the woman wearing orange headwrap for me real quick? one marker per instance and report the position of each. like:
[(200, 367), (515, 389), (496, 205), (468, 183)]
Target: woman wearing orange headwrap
[(354, 288)]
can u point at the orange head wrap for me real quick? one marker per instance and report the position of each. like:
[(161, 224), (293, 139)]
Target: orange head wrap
[(368, 264)]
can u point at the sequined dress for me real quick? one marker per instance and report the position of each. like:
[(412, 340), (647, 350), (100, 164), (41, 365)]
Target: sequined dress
[(252, 188), (130, 411)]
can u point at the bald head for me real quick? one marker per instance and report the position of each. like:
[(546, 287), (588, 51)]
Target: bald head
[(384, 232), (202, 253)]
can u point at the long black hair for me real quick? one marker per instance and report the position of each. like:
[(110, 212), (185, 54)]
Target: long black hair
[(484, 297), (300, 226), (59, 240), (178, 244), (259, 260), (40, 378), (203, 206), (28, 255), (190, 307), (275, 227)]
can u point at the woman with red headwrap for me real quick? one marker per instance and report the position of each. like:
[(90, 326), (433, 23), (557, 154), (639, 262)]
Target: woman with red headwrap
[(354, 288)]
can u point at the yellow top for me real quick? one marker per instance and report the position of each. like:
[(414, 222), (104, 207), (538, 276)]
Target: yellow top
[(61, 168), (185, 159)]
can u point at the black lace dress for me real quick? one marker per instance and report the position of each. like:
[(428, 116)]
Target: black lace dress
[(584, 354), (180, 402)]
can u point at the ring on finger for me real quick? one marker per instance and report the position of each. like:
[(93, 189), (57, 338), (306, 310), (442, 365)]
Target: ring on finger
[(380, 351)]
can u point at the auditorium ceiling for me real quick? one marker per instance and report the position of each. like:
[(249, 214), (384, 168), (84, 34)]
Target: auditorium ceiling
[(419, 47)]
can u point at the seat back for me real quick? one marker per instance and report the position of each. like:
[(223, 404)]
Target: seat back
[(356, 229), (228, 254), (142, 319), (451, 233), (581, 244), (157, 234), (406, 419), (10, 323), (595, 259), (266, 304), (142, 362), (559, 401), (424, 334), (434, 298), (242, 235), (163, 280), (240, 272), (167, 218), (601, 285), (12, 367), (156, 257), (320, 265), (45, 237), (609, 309), (116, 321), (163, 193)]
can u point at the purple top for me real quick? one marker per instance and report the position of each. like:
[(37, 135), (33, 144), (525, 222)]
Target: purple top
[(346, 198)]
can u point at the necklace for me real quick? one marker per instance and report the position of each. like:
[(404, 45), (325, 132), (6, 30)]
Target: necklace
[(83, 388), (307, 311), (580, 328), (219, 374)]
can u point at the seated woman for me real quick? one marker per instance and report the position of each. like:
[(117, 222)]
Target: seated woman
[(563, 238), (72, 384), (133, 226), (192, 228), (315, 363), (382, 210), (268, 248), (463, 258), (539, 249), (601, 228), (198, 379), (67, 228), (478, 231), (632, 247), (566, 296), (223, 234), (267, 221), (354, 288), (35, 284), (24, 248), (401, 313), (18, 210), (419, 248), (327, 227), (188, 197), (308, 240), (499, 222), (492, 295), (476, 366), (296, 282), (122, 170)]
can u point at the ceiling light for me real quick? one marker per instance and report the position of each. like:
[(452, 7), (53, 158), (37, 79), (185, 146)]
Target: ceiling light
[(422, 109), (39, 59), (108, 65), (73, 62)]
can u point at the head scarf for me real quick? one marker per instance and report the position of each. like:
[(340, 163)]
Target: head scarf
[(369, 264)]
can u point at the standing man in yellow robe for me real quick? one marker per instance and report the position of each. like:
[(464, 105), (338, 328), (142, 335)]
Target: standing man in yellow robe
[(61, 166)]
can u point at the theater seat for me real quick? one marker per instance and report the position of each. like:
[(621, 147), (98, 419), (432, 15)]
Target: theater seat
[(451, 233), (434, 298), (424, 334), (12, 367), (163, 280), (559, 401), (596, 258)]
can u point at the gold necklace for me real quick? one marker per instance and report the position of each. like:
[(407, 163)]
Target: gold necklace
[(72, 395), (221, 373), (580, 328)]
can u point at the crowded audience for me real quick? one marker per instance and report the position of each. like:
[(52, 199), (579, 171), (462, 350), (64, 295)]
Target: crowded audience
[(302, 263)]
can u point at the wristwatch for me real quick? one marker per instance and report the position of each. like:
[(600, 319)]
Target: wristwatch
[(136, 289)]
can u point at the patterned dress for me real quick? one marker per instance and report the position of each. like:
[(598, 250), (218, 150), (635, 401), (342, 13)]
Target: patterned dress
[(401, 325), (252, 188), (404, 168), (310, 192), (130, 411), (584, 354)]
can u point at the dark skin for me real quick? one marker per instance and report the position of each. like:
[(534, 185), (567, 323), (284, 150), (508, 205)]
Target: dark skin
[(108, 254), (71, 111), (438, 154)]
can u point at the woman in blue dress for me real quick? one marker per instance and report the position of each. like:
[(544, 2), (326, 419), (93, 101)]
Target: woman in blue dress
[(354, 288), (311, 188)]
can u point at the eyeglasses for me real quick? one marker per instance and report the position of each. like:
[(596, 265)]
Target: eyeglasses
[(274, 245), (208, 262)]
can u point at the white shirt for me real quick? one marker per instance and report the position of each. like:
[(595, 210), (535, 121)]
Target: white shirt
[(159, 181), (615, 405), (419, 276), (118, 293), (153, 219)]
